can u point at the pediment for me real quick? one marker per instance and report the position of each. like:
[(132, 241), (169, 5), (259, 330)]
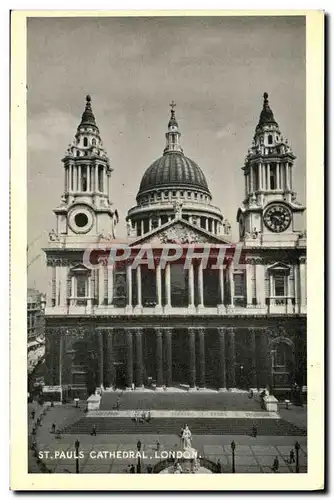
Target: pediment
[(279, 266), (79, 268), (179, 232)]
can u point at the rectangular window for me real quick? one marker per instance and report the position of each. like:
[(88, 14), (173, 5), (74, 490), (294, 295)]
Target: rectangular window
[(279, 285), (239, 284), (81, 285)]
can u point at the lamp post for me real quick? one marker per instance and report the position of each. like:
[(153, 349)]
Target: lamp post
[(233, 456), (297, 448), (77, 445)]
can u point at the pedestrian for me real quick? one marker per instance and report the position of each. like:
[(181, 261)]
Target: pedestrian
[(181, 437), (149, 469), (132, 469), (275, 465), (250, 394), (219, 466), (158, 446), (292, 456), (33, 414), (53, 428), (93, 433), (128, 470), (117, 404), (254, 431), (138, 445)]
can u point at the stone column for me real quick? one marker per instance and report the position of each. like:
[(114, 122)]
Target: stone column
[(62, 285), (222, 360), (287, 176), (159, 359), (221, 306), (110, 283), (191, 291), (260, 285), (96, 178), (139, 358), (168, 339), (167, 286), (260, 176), (277, 176), (201, 335), (79, 178), (249, 287), (231, 282), (142, 227), (231, 357), (69, 184), (302, 283), (101, 284), (207, 224), (158, 286), (246, 190), (139, 305), (129, 360), (49, 288), (129, 287), (110, 356), (200, 285), (192, 358), (268, 176), (252, 351), (296, 287), (88, 178), (251, 179), (100, 334)]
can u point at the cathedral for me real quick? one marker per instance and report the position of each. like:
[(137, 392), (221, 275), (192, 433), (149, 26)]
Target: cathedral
[(204, 312)]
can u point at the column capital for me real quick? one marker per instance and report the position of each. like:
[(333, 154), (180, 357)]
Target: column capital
[(137, 331)]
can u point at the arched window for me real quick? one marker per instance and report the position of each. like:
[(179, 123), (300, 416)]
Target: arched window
[(101, 178), (83, 178), (94, 142), (270, 139), (272, 177), (85, 141)]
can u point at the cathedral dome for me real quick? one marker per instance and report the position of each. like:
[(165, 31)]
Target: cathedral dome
[(173, 169)]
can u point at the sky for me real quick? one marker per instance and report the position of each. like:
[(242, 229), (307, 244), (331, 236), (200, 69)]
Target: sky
[(215, 68)]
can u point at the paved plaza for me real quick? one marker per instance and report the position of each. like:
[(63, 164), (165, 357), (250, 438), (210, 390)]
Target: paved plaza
[(107, 451)]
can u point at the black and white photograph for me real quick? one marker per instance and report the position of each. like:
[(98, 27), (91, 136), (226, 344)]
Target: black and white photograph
[(167, 239)]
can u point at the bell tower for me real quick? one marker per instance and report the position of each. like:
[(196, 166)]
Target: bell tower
[(269, 211), (85, 207)]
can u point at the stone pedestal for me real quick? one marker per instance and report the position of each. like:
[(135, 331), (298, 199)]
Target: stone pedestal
[(93, 402), (270, 403)]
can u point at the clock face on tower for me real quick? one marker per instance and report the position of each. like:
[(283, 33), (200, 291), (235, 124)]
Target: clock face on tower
[(277, 217)]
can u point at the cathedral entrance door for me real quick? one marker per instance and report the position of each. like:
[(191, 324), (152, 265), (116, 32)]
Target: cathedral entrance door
[(120, 375)]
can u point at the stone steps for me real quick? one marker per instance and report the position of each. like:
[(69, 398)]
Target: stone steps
[(198, 426)]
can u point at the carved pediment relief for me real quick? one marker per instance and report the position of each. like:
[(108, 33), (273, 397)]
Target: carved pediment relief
[(180, 234)]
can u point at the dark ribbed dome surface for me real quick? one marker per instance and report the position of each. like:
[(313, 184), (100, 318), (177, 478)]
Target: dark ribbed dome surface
[(173, 169)]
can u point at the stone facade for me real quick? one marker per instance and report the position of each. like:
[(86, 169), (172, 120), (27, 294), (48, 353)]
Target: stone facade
[(237, 322)]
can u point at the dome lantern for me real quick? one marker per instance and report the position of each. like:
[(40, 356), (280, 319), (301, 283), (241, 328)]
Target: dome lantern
[(173, 134)]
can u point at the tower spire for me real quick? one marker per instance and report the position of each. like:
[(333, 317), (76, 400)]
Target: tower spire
[(88, 117), (266, 116)]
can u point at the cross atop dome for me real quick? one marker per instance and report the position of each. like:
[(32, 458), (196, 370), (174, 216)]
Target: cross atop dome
[(173, 105)]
